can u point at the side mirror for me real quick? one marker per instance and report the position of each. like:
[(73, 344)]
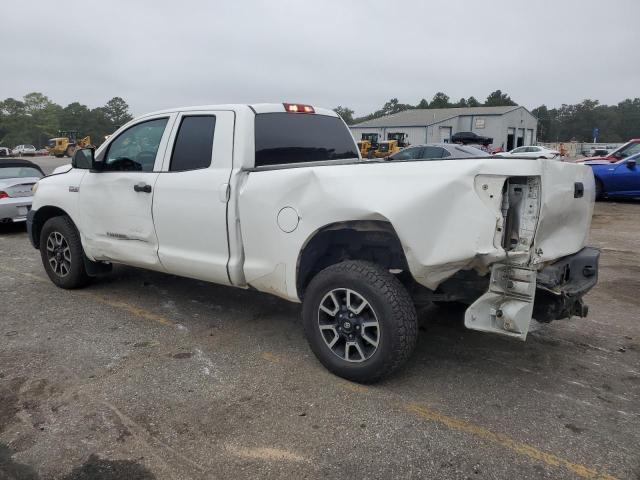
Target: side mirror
[(83, 158), (631, 164)]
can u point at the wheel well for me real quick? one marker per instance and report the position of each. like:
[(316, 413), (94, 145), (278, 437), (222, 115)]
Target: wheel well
[(374, 241), (40, 218)]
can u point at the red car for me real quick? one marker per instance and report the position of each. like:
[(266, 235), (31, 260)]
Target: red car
[(630, 148)]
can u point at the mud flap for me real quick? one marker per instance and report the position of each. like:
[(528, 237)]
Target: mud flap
[(507, 307)]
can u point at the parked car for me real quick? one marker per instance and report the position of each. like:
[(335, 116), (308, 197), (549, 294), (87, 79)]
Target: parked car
[(531, 151), (16, 180), (617, 180), (630, 148), (438, 151), (471, 138), (292, 210), (42, 152), (24, 151), (5, 152)]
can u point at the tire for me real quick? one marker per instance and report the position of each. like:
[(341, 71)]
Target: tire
[(62, 254), (381, 335), (599, 189)]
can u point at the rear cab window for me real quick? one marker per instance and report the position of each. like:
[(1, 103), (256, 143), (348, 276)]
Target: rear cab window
[(287, 138)]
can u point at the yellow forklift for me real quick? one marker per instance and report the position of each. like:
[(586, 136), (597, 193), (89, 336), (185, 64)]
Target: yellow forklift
[(368, 145), (66, 143), (395, 142)]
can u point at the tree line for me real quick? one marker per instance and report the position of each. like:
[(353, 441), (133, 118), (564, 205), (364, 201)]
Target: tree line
[(615, 123), (35, 119)]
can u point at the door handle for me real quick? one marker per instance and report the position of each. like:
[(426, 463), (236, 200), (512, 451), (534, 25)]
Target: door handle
[(142, 187)]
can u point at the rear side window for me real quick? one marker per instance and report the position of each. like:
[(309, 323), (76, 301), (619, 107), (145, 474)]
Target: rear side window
[(283, 138), (193, 147)]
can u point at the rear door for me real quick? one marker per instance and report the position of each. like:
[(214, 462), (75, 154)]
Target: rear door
[(191, 195)]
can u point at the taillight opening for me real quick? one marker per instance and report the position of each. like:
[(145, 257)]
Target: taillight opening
[(298, 108), (4, 195)]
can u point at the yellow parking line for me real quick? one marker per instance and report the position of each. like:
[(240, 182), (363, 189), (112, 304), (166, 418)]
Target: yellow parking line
[(132, 309), (136, 311), (511, 444)]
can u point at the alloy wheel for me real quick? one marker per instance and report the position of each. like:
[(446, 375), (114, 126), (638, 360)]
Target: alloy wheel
[(348, 325)]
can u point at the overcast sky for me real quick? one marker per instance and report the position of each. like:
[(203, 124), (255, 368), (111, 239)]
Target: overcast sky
[(158, 53)]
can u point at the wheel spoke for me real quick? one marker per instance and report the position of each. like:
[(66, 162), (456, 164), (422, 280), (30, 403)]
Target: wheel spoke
[(67, 254), (336, 335), (336, 305), (356, 309)]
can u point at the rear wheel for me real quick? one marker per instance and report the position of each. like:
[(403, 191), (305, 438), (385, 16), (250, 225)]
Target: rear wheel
[(70, 151), (62, 254), (359, 320)]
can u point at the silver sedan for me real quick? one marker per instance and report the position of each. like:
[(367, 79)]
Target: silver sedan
[(17, 177), (435, 151)]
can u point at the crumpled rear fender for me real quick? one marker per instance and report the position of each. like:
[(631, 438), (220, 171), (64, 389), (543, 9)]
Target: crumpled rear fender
[(447, 214)]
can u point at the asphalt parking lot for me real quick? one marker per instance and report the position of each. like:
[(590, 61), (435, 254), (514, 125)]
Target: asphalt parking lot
[(149, 376)]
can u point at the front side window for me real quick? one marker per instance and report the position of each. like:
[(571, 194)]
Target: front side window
[(284, 138), (194, 144), (136, 148)]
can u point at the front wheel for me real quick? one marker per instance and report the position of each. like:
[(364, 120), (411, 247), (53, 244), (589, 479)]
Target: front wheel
[(599, 189), (62, 254), (359, 320)]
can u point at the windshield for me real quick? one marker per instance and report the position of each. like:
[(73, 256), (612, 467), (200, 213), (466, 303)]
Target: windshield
[(627, 149), (283, 138), (19, 172)]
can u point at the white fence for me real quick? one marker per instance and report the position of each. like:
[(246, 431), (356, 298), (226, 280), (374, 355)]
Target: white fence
[(580, 149)]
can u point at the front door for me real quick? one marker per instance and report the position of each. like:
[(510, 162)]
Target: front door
[(116, 197), (627, 178), (191, 195)]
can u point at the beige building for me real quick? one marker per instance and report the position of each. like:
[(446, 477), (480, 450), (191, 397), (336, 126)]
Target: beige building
[(510, 127)]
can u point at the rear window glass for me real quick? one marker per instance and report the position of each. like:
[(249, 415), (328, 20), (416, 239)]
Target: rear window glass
[(283, 138), (472, 151), (19, 172)]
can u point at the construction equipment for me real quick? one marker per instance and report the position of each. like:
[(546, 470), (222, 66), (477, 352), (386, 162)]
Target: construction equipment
[(395, 142), (66, 143), (368, 145), (399, 137)]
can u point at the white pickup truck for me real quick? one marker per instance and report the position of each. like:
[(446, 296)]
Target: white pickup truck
[(275, 197)]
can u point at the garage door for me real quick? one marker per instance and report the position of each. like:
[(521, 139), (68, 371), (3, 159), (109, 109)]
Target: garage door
[(528, 138), (445, 134)]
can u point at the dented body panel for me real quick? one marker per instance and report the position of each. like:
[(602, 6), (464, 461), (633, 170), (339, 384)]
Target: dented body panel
[(447, 214)]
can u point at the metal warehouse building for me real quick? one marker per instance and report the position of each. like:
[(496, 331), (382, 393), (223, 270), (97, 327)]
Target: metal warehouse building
[(509, 127)]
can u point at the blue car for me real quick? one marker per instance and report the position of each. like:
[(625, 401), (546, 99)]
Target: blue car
[(617, 180)]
